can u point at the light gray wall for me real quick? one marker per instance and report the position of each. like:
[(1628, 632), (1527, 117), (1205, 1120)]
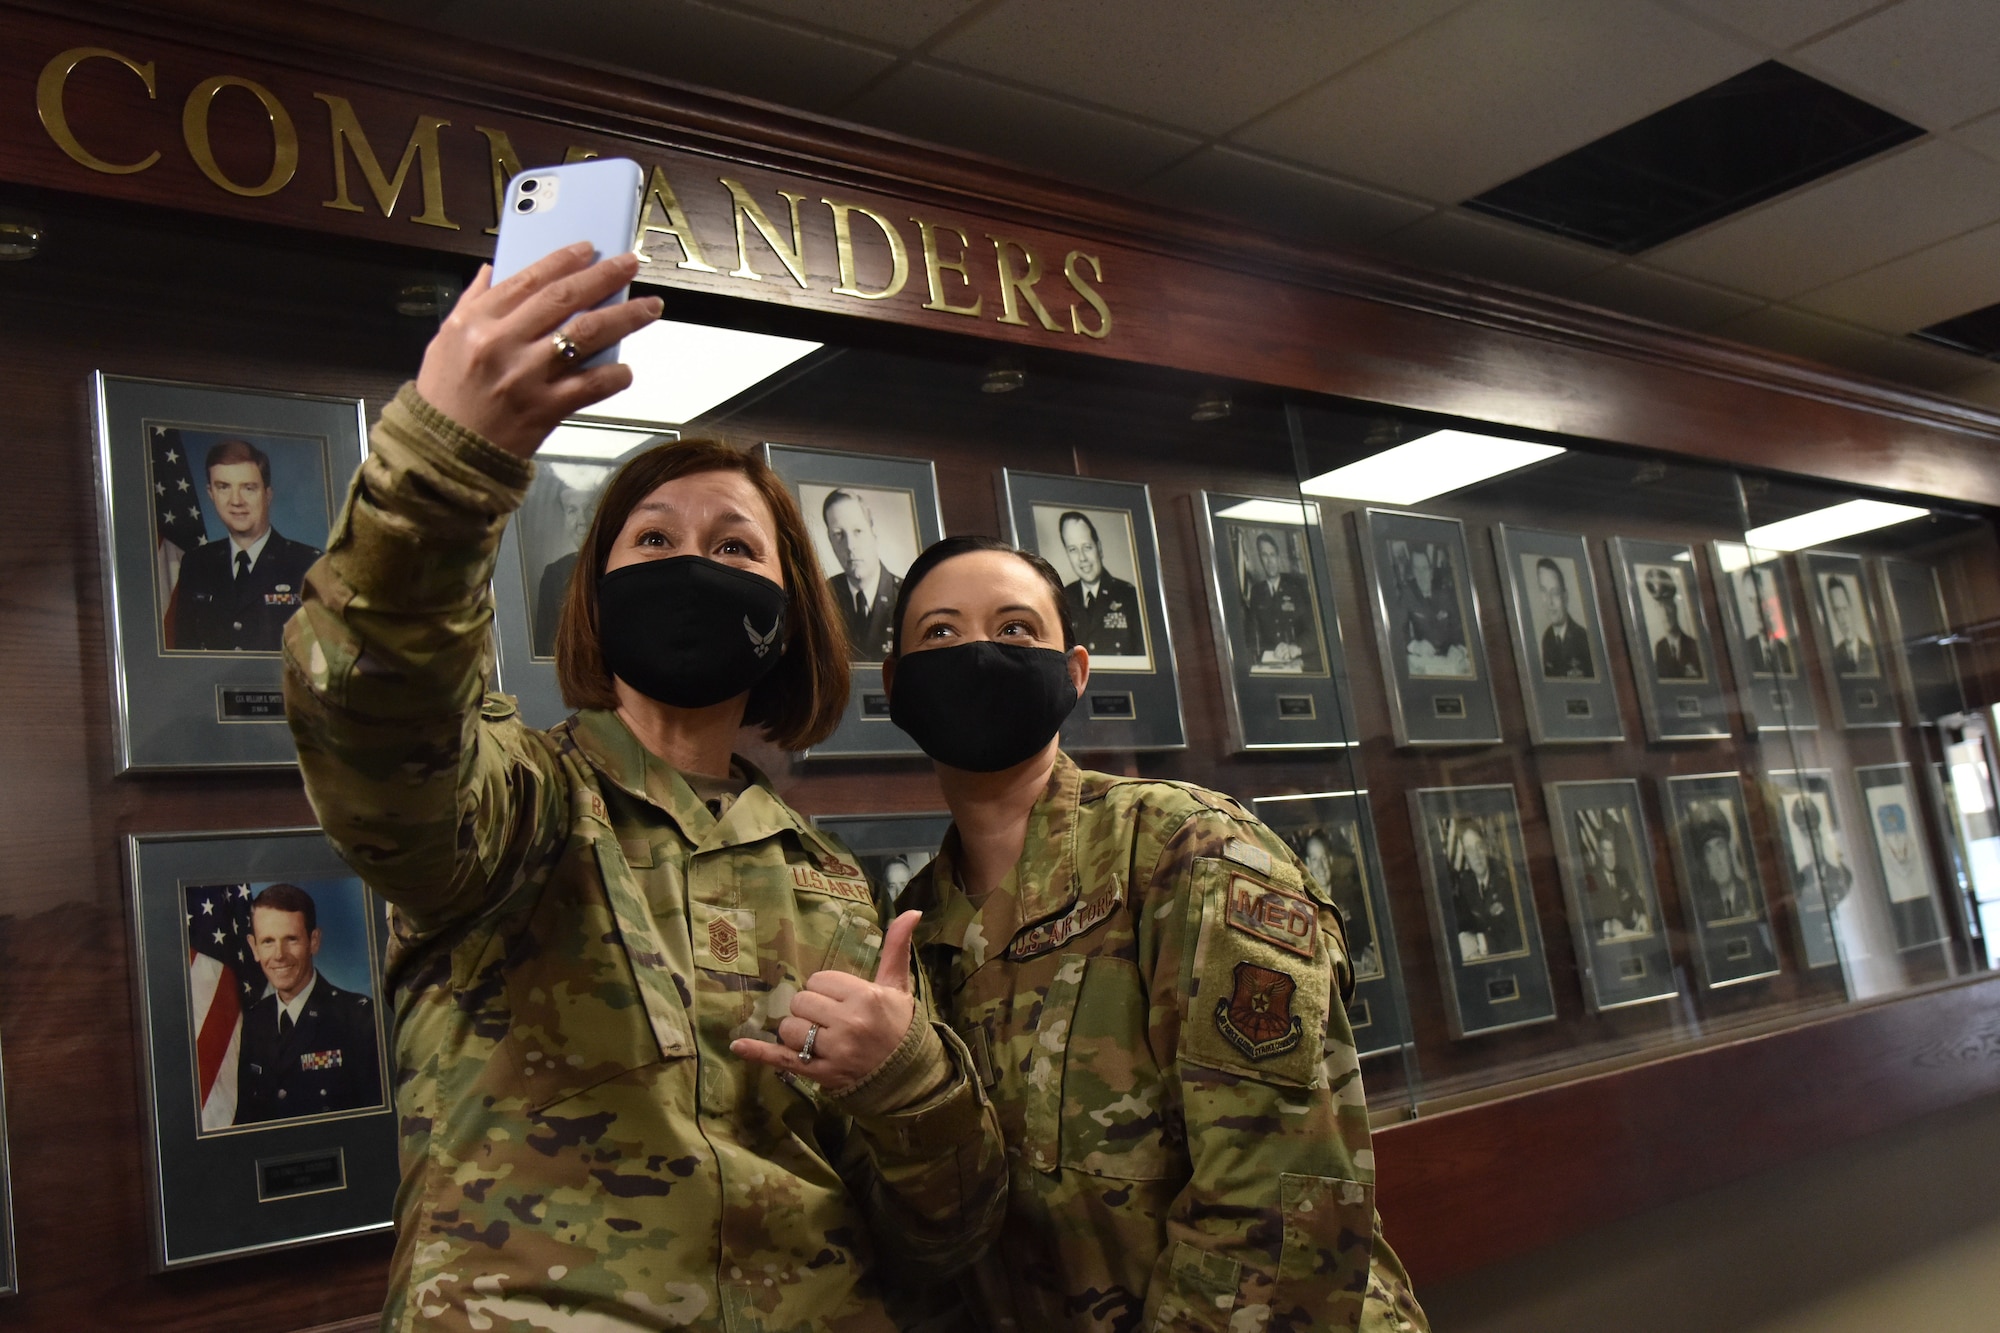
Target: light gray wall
[(1905, 1222)]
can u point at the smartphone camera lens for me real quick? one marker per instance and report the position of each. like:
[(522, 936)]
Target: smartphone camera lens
[(530, 185), (524, 205)]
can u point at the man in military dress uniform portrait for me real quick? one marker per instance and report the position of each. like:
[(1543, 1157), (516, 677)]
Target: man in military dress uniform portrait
[(1853, 649), (237, 594), (864, 590), (1489, 924), (1676, 655), (1565, 645), (1722, 889), (1104, 607), (1282, 632), (308, 1047), (577, 485), (1765, 647)]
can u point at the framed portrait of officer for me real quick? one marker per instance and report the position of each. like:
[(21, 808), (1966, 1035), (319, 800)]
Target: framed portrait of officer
[(270, 1113), (1334, 835), (892, 849), (1427, 628), (870, 516), (1848, 624), (213, 504), (1921, 638), (1488, 938), (1760, 623), (1558, 636), (1667, 640), (9, 1277), (538, 555), (1902, 853), (1101, 539), (1606, 861), (1829, 901), (1269, 603), (1722, 891)]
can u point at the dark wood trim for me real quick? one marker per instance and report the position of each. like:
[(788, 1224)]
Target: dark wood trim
[(361, 1324), (1474, 1187)]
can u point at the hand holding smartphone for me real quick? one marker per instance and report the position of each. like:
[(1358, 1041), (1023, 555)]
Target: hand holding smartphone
[(547, 208)]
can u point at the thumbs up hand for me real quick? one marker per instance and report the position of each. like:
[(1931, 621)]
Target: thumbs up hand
[(853, 1024)]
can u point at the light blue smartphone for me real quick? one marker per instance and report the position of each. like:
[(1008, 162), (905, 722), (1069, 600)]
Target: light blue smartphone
[(549, 207)]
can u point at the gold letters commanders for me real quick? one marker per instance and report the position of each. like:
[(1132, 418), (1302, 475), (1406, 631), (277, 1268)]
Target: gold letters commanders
[(1272, 915)]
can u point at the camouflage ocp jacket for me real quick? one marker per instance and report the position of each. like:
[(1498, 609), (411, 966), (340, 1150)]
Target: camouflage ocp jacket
[(1153, 996), (575, 941)]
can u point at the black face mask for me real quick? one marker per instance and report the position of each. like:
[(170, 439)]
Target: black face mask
[(982, 706), (688, 631)]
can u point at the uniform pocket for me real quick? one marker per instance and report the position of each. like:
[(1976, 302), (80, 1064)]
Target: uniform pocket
[(1201, 1290), (1261, 980), (1112, 1121), (1329, 1241), (1043, 1068)]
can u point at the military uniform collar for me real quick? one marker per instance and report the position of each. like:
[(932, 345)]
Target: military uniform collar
[(1044, 883), (609, 745)]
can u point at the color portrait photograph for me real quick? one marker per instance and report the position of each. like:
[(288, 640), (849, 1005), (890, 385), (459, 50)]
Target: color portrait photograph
[(237, 518), (285, 1003), (865, 538), (1269, 568), (1094, 552)]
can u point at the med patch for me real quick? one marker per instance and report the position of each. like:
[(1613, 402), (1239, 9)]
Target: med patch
[(1272, 915)]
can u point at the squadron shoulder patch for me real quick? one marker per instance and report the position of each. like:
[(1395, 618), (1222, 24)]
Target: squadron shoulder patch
[(1272, 915), (1257, 1017)]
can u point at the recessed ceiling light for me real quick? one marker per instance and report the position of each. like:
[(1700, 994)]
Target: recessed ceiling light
[(1444, 460), (595, 443), (1295, 512), (1830, 524), (680, 371)]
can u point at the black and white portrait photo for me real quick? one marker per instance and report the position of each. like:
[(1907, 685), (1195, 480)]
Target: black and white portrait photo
[(1281, 632), (1563, 649), (238, 517), (1426, 610), (553, 521), (1606, 860), (1333, 857), (1093, 550), (1721, 880), (1666, 602), (1850, 626), (1615, 903), (1765, 634), (865, 538), (1485, 899), (286, 1019)]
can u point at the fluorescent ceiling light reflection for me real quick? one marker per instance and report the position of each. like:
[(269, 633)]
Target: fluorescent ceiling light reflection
[(1444, 460), (680, 371), (1830, 524), (1295, 512), (575, 439)]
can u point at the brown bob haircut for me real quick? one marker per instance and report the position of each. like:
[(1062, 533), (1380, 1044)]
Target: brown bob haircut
[(800, 702)]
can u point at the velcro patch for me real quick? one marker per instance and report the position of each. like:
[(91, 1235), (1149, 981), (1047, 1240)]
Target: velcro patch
[(320, 1060), (1256, 1018), (1053, 934), (1248, 854), (1272, 915), (723, 941), (854, 890)]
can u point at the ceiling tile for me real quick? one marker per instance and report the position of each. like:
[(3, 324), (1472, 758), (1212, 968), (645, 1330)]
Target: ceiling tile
[(1929, 60), (1498, 251), (1884, 208), (1633, 289), (1982, 135), (1946, 280), (1981, 389), (951, 107), (1205, 66), (1275, 196), (1847, 347), (1496, 88), (1925, 365), (899, 23), (681, 40), (1779, 23)]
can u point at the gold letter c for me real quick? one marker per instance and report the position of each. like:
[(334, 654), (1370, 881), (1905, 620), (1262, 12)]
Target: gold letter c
[(49, 104)]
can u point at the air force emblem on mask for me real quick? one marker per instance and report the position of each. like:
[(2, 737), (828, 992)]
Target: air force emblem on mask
[(761, 643)]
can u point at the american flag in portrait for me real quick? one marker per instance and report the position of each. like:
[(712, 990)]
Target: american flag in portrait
[(223, 981), (177, 520)]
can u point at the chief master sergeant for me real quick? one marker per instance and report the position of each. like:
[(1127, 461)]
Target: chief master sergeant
[(309, 1047), (237, 594)]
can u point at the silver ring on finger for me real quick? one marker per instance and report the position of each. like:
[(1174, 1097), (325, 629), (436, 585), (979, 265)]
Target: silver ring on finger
[(566, 349), (806, 1046)]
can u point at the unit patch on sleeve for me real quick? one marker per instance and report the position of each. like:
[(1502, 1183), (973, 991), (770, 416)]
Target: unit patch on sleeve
[(1272, 915), (1257, 1017)]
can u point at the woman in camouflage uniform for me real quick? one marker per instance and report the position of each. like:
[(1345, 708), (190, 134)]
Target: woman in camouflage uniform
[(601, 932), (1150, 984)]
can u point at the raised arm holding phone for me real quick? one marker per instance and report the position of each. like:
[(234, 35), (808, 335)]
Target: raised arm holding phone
[(656, 1063)]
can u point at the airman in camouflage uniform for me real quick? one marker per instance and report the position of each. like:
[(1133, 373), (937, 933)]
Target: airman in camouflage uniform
[(576, 939), (1153, 995)]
